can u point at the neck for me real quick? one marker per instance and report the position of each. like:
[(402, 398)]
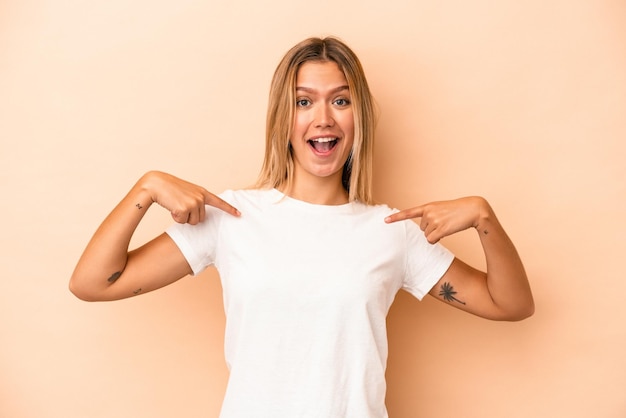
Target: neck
[(318, 190)]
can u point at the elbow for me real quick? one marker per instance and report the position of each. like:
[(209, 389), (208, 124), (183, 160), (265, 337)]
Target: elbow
[(82, 292), (520, 316), (521, 313), (530, 311)]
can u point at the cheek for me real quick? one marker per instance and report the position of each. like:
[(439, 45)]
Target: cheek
[(348, 127), (299, 126)]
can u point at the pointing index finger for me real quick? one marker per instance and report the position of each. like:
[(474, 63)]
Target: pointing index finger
[(405, 214), (217, 202)]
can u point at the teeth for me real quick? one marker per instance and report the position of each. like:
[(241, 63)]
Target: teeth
[(323, 139)]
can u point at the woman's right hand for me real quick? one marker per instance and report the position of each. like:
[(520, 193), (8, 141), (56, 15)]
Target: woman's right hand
[(107, 270), (185, 201)]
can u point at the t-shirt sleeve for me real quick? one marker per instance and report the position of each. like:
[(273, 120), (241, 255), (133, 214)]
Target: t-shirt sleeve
[(426, 263), (198, 242)]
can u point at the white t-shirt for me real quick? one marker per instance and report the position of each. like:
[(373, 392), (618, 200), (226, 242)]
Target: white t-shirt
[(307, 289)]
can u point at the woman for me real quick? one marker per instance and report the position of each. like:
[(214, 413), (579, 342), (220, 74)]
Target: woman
[(310, 266)]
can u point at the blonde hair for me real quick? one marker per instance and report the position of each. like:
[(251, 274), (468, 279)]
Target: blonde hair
[(278, 164)]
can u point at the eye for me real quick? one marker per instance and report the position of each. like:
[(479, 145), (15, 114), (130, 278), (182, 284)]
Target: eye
[(342, 102), (302, 102)]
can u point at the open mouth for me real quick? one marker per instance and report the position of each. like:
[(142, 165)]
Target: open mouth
[(323, 145)]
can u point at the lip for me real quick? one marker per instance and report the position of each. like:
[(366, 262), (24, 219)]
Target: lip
[(323, 138), (327, 135)]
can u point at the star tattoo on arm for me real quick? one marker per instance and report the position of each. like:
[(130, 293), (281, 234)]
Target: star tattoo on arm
[(447, 292)]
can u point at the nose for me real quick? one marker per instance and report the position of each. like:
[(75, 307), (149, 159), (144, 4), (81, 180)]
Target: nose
[(323, 116)]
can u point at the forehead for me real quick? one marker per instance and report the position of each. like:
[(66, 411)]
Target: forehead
[(320, 74)]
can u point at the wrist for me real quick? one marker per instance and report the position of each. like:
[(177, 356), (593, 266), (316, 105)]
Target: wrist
[(484, 216), (145, 189)]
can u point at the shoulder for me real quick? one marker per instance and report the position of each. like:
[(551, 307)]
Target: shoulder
[(372, 218), (243, 196), (249, 201), (378, 211)]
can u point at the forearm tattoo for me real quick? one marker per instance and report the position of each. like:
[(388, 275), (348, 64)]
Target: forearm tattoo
[(447, 292), (139, 206), (136, 292), (114, 277)]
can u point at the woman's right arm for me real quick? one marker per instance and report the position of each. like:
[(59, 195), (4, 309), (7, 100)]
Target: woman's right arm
[(107, 270)]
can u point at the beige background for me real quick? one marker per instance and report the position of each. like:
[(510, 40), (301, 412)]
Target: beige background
[(522, 102)]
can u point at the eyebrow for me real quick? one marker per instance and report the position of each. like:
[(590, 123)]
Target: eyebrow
[(311, 90)]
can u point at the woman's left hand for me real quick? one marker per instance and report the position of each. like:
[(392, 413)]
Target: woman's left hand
[(440, 219)]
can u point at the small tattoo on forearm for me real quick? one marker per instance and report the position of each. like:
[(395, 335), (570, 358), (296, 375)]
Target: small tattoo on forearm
[(114, 277), (447, 293), (139, 206), (136, 292)]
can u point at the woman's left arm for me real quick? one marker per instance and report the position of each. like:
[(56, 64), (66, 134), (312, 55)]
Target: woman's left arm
[(503, 292)]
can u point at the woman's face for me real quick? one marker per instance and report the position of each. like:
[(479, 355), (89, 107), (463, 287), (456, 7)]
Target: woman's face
[(323, 131)]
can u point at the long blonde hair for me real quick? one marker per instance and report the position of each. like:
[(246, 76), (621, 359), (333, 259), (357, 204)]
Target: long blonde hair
[(278, 164)]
